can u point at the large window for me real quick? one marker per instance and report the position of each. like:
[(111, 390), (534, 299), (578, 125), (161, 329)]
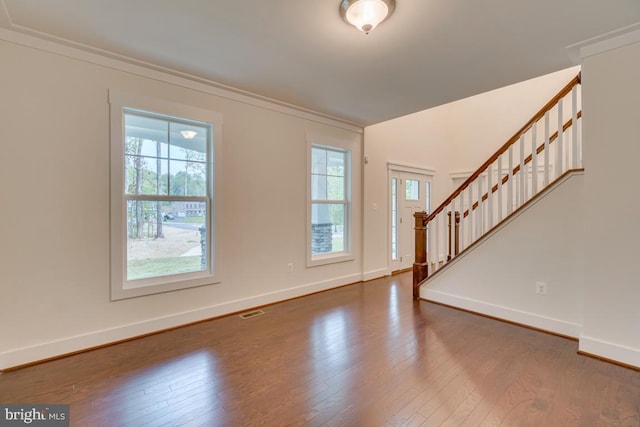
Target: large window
[(330, 209), (163, 206)]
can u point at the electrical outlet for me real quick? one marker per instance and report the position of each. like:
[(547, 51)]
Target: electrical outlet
[(290, 267), (541, 288)]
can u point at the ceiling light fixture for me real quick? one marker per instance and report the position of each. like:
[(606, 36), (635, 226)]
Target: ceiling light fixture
[(365, 15), (188, 134)]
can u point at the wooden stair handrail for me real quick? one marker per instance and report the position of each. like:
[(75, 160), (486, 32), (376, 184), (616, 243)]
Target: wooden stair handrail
[(529, 158), (516, 137)]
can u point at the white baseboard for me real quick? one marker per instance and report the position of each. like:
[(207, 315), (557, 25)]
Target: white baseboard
[(609, 350), (46, 350), (375, 274), (556, 326)]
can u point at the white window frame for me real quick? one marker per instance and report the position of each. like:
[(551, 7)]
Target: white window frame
[(321, 141), (122, 288)]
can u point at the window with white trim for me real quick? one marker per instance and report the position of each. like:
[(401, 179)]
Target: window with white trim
[(329, 205), (162, 195)]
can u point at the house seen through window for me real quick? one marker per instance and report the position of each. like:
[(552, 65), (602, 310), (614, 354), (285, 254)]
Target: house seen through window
[(166, 165)]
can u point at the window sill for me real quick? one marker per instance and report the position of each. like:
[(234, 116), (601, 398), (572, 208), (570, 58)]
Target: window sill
[(135, 289), (333, 258)]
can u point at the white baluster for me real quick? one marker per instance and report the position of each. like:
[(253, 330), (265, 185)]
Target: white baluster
[(446, 237), (574, 127), (559, 141), (453, 228), (462, 223), (510, 182), (534, 160), (489, 197), (546, 149), (523, 183), (436, 242), (569, 149), (470, 217), (480, 216), (500, 188)]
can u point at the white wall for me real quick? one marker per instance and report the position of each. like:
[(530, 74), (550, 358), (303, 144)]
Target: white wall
[(54, 166), (456, 137), (498, 276), (611, 94)]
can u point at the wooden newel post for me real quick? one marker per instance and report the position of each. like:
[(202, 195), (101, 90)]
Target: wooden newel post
[(420, 265)]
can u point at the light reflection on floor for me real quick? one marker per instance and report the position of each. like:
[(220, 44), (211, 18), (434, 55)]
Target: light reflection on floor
[(189, 381), (330, 349), (394, 312)]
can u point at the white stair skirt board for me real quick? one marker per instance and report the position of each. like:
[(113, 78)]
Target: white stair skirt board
[(555, 326)]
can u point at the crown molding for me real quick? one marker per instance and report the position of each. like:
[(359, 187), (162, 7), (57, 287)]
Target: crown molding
[(26, 37), (604, 43)]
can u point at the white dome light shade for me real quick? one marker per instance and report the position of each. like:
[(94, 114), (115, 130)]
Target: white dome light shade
[(365, 15), (188, 134)]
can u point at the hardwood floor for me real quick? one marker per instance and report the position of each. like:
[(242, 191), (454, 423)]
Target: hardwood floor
[(362, 355)]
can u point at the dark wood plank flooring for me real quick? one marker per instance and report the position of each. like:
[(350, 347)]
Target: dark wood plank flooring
[(361, 355)]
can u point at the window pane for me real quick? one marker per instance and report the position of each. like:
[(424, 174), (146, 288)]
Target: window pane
[(394, 243), (145, 147), (328, 174), (427, 186), (335, 190), (319, 187), (146, 136), (329, 204), (318, 161), (412, 189), (188, 142), (327, 228), (187, 178), (335, 163), (394, 218), (145, 175), (146, 150), (163, 240)]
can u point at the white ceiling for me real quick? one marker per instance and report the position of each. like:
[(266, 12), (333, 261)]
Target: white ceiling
[(301, 52)]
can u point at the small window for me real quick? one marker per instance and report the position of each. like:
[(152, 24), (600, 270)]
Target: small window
[(412, 189), (329, 206), (163, 228)]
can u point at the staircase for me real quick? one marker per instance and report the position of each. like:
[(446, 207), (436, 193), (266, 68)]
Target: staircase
[(543, 151)]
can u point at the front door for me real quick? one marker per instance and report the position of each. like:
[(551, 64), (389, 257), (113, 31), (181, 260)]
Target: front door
[(410, 193)]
